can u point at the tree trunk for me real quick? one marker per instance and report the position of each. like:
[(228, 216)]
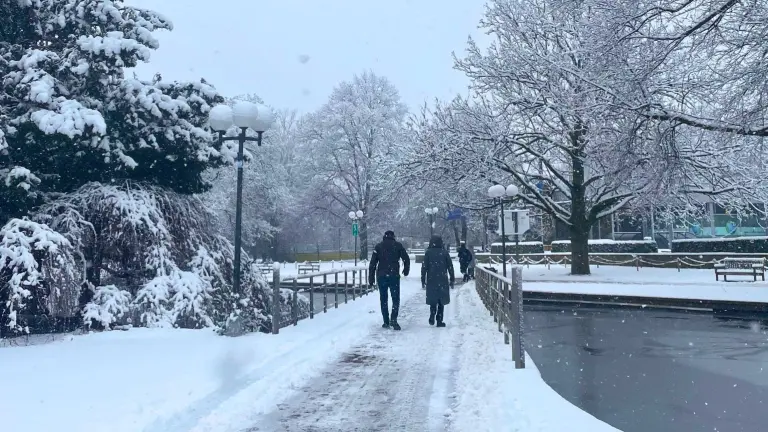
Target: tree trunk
[(363, 239), (456, 234), (464, 228), (580, 249), (580, 223)]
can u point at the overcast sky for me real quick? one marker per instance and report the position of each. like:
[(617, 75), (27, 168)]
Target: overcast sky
[(293, 52)]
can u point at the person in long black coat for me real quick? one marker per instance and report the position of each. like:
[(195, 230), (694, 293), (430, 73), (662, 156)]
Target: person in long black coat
[(437, 277)]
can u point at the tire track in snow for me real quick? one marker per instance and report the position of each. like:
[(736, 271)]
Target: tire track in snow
[(396, 381)]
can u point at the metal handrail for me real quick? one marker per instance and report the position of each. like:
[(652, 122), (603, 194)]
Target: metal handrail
[(359, 283), (503, 297)]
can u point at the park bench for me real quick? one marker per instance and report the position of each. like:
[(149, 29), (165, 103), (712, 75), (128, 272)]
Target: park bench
[(265, 269), (309, 267), (740, 267)]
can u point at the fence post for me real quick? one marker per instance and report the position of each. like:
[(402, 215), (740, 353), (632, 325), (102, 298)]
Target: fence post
[(276, 315), (336, 290), (311, 297), (501, 295), (507, 311), (637, 262), (295, 305), (678, 264), (546, 258), (353, 284), (325, 293), (518, 350), (346, 288)]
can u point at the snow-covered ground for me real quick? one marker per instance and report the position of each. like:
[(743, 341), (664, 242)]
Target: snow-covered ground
[(646, 282), (184, 380), (171, 380)]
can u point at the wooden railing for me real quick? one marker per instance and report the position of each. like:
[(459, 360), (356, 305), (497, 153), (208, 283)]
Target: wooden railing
[(351, 282), (503, 297)]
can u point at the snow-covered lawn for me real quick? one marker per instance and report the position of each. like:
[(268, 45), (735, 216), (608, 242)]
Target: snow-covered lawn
[(156, 380), (698, 284), (630, 275)]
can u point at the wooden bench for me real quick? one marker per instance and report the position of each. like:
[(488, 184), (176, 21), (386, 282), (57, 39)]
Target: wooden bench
[(740, 267), (309, 267), (265, 269)]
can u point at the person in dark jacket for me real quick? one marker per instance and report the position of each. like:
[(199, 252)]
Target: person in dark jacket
[(437, 277), (465, 258), (385, 267)]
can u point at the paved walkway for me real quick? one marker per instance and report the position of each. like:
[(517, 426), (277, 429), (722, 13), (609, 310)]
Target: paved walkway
[(395, 381)]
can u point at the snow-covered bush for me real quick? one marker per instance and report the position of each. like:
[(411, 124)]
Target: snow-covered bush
[(527, 247), (722, 244), (157, 246), (37, 264), (110, 304), (610, 246)]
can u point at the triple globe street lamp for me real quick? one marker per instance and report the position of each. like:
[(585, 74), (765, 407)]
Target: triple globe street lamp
[(244, 115), (355, 216), (431, 212), (497, 193)]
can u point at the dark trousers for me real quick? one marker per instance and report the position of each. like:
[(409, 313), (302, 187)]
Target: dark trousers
[(391, 284), (437, 311)]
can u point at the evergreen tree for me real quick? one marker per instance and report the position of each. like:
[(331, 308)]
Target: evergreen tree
[(70, 116)]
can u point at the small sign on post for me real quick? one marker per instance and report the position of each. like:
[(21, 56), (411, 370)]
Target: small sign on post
[(354, 229), (523, 222)]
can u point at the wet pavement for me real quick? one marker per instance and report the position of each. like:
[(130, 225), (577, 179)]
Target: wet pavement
[(646, 370)]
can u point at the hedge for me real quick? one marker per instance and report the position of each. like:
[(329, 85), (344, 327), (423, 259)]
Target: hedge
[(610, 246), (526, 247), (724, 244)]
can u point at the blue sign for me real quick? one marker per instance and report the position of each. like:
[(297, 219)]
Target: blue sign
[(454, 214)]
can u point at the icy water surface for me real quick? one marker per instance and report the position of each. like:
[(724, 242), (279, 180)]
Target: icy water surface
[(651, 370)]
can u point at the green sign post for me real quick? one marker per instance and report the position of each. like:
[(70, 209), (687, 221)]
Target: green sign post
[(354, 229)]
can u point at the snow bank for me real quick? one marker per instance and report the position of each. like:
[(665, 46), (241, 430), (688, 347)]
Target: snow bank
[(493, 396), (155, 380)]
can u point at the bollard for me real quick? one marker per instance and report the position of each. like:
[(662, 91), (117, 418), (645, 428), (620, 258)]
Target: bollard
[(336, 291), (678, 265), (276, 300), (346, 288)]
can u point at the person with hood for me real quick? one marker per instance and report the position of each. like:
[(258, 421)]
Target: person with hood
[(437, 277), (465, 258), (385, 267)]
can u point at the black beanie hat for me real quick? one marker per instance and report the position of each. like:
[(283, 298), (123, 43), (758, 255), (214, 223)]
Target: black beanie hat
[(389, 234)]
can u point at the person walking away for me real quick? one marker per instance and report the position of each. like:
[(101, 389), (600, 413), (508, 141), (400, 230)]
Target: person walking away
[(465, 258), (385, 267), (437, 277)]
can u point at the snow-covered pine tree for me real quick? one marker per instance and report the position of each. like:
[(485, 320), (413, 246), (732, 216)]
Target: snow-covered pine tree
[(107, 160), (69, 115)]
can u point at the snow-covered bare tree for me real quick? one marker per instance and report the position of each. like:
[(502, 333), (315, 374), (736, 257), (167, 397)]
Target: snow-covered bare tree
[(349, 140), (272, 186), (543, 115)]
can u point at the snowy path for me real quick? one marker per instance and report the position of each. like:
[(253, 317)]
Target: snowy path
[(394, 381)]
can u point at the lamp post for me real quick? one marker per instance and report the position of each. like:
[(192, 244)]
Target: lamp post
[(497, 193), (244, 115), (431, 212), (355, 216)]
